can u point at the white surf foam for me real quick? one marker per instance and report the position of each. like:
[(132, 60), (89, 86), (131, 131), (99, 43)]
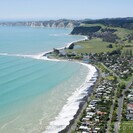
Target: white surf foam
[(38, 56), (85, 37), (63, 34), (70, 108)]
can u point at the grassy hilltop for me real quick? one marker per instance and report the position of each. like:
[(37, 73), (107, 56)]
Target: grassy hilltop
[(100, 40)]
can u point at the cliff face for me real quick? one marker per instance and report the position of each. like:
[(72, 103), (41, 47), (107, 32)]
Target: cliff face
[(85, 30), (57, 24), (51, 23)]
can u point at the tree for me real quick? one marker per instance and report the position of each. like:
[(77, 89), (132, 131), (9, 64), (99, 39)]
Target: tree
[(71, 46), (110, 46), (122, 85), (56, 51)]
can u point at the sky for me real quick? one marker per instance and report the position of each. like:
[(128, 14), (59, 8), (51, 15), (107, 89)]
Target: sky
[(69, 9)]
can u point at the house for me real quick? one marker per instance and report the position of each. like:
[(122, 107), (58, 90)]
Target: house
[(129, 116), (89, 116), (97, 128), (129, 96), (90, 105), (62, 53), (130, 100), (101, 113), (84, 128), (90, 113), (130, 107)]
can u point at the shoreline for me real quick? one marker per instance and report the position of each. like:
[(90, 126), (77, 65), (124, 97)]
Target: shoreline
[(68, 45), (83, 105), (75, 103), (86, 89)]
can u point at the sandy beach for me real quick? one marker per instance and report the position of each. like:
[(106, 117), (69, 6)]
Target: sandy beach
[(76, 103)]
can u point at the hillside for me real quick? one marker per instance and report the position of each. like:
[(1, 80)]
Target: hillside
[(85, 30)]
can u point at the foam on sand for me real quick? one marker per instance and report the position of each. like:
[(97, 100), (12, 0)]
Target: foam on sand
[(70, 108), (38, 56), (85, 37)]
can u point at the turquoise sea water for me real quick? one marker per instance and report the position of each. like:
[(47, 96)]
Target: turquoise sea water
[(32, 92)]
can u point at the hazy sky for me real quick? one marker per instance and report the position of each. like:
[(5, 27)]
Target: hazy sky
[(70, 9)]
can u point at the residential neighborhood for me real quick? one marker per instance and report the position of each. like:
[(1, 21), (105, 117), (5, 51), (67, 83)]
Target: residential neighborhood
[(97, 113)]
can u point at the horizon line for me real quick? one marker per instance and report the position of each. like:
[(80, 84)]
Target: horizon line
[(50, 19)]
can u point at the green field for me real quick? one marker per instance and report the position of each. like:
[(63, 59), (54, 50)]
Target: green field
[(90, 25), (121, 32), (125, 49), (126, 127), (95, 45), (128, 48)]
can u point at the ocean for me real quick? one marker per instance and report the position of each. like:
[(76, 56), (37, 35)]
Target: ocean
[(37, 94)]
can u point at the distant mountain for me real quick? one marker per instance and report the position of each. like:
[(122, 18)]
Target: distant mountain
[(62, 23), (66, 23)]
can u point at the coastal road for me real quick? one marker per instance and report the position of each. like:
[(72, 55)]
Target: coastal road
[(120, 101), (114, 74), (120, 106), (110, 116)]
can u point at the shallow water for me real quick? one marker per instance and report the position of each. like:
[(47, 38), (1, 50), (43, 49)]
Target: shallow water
[(33, 92)]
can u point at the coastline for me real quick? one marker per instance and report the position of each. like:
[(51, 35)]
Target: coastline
[(81, 99), (68, 45), (84, 90), (83, 105), (74, 105)]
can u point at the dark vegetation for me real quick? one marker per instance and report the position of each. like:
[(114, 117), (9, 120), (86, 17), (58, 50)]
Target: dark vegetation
[(85, 30), (114, 22)]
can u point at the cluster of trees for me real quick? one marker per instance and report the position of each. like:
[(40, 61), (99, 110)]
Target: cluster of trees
[(85, 30), (71, 46), (108, 30), (130, 37), (109, 37), (56, 51), (115, 52), (110, 46)]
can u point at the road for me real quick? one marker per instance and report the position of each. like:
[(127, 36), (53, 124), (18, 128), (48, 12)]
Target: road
[(120, 106), (114, 74), (110, 116), (120, 101)]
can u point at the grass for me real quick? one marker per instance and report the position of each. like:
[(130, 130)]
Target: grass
[(110, 77), (128, 48), (95, 45), (126, 127), (101, 67), (90, 25), (122, 33)]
